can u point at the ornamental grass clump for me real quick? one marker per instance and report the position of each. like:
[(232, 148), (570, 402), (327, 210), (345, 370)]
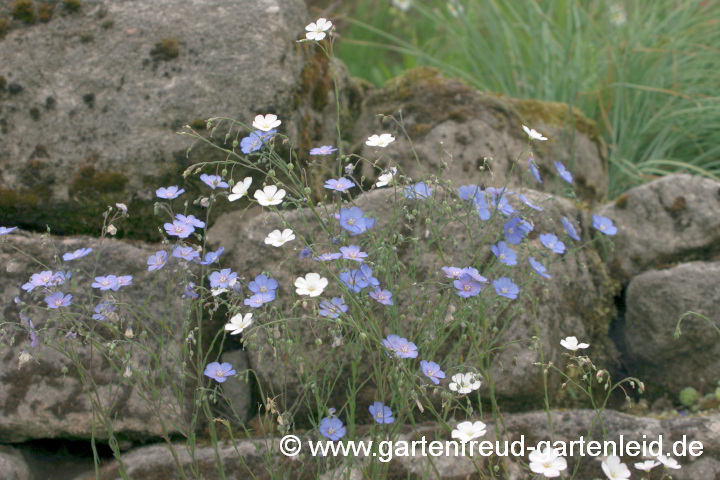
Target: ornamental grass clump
[(396, 313)]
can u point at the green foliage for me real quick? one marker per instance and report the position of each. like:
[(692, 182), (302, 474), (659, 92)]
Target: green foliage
[(166, 49), (24, 10), (644, 71), (689, 397), (72, 5)]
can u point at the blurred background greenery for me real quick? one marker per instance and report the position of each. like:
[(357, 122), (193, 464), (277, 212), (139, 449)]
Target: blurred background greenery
[(647, 71)]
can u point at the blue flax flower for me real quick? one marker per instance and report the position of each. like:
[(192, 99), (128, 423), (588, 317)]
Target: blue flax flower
[(381, 414), (157, 261), (354, 221), (332, 428), (76, 254), (222, 279), (481, 206), (340, 184), (169, 193), (420, 190), (466, 286), (58, 299), (468, 192), (326, 257), (263, 284), (551, 241), (190, 220), (400, 346), (453, 272), (219, 372), (570, 229), (260, 299), (102, 310), (604, 224), (213, 181), (563, 172), (185, 253), (474, 274), (353, 252), (105, 283), (534, 170), (513, 233), (504, 253), (527, 202), (334, 308), (506, 288), (432, 371), (539, 268), (212, 257), (189, 291), (179, 229), (353, 280), (382, 296), (324, 150)]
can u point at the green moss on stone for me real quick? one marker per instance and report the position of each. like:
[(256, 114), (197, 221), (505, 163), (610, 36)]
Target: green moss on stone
[(89, 181), (24, 10), (166, 49), (45, 12), (72, 6), (4, 27)]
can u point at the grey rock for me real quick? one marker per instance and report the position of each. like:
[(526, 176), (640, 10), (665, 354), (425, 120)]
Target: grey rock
[(669, 220), (447, 118), (655, 301), (38, 399), (109, 109), (13, 465), (577, 301)]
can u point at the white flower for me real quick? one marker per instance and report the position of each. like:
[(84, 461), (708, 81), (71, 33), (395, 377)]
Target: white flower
[(618, 16), (614, 468), (111, 229), (278, 239), (267, 122), (238, 323), (466, 431), (464, 382), (218, 291), (386, 178), (571, 343), (25, 357), (316, 30), (313, 284), (547, 462), (403, 5), (647, 465), (534, 135), (380, 140), (668, 462), (269, 195), (122, 207), (240, 189)]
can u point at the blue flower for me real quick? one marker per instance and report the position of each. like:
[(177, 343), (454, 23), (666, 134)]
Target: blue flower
[(563, 172), (506, 288), (189, 291), (76, 254), (527, 202), (420, 190), (513, 233), (102, 310), (604, 224), (326, 257), (381, 414), (219, 372), (157, 261), (353, 280), (539, 268), (213, 181), (453, 272), (332, 428), (570, 229), (481, 206), (185, 253), (432, 371), (304, 253), (400, 346), (260, 299), (365, 275), (169, 192), (498, 192), (334, 308), (42, 279), (6, 230), (466, 286), (504, 253), (263, 284), (105, 283), (468, 192), (354, 221), (525, 226), (123, 281), (58, 299), (382, 296), (340, 184), (534, 170), (212, 257), (252, 142), (353, 252), (324, 150), (222, 279), (503, 206), (552, 242), (190, 220), (179, 229), (474, 274)]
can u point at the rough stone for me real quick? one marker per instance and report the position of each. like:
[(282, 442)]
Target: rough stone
[(94, 123), (447, 118), (39, 400), (655, 300), (670, 220), (237, 391), (152, 462), (577, 301), (13, 465)]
